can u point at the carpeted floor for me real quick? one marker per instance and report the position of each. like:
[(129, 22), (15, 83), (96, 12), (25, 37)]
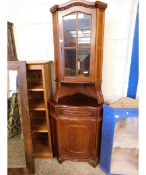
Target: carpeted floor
[(52, 167), (16, 156), (47, 167)]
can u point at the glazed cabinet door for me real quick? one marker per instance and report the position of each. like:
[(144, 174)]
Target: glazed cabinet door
[(77, 44), (76, 137)]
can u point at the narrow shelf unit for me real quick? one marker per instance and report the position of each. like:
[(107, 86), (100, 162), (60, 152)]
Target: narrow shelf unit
[(39, 92)]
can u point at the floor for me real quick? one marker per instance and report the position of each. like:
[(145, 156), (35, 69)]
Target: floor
[(47, 167), (16, 156), (52, 167)]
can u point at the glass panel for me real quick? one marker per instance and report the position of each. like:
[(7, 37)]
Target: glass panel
[(84, 40), (16, 153), (84, 29), (83, 61), (70, 62), (69, 22)]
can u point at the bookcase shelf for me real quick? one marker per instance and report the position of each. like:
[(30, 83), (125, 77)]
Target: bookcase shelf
[(41, 147), (39, 125), (35, 87), (39, 92), (37, 105)]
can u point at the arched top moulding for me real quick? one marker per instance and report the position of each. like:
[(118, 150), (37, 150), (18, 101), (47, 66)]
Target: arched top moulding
[(83, 3)]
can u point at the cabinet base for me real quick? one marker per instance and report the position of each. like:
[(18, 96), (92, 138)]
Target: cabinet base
[(76, 132), (93, 163)]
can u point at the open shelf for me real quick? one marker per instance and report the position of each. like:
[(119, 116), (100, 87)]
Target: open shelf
[(37, 105), (126, 133), (42, 154), (36, 115), (78, 100), (35, 87), (36, 95), (39, 125), (124, 161), (34, 80), (40, 144), (34, 76), (36, 100)]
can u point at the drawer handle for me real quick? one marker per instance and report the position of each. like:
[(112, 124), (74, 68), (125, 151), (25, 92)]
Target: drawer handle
[(66, 112), (85, 113), (76, 113)]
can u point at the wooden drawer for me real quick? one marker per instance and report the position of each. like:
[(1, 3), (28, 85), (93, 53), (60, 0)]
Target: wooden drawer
[(74, 111)]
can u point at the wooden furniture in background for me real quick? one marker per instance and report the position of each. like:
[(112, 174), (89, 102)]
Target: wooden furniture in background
[(39, 92), (11, 49), (76, 111), (20, 67)]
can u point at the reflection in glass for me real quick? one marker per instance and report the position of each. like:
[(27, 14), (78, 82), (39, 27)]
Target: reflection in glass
[(16, 156), (84, 29), (83, 61), (70, 62), (69, 22), (84, 40)]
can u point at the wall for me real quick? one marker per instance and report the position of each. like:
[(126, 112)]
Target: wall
[(34, 38)]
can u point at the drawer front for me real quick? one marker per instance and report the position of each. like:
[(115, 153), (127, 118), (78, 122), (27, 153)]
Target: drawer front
[(76, 112)]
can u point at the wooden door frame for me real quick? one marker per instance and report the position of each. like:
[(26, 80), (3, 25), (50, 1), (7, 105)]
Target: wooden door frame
[(61, 61), (20, 67)]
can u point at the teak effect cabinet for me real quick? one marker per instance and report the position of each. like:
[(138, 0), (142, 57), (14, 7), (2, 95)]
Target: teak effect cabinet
[(39, 92), (76, 110)]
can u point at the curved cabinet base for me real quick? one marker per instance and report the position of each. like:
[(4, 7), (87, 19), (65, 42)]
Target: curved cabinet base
[(91, 162), (76, 132)]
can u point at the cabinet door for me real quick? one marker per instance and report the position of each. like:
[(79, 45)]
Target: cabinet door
[(77, 138), (77, 44)]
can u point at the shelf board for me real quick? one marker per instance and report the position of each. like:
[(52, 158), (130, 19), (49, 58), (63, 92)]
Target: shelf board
[(35, 87), (42, 154), (37, 105), (39, 125), (68, 48), (38, 62), (41, 148), (77, 82), (79, 47)]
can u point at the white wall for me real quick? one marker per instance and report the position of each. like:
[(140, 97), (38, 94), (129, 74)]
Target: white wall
[(34, 38)]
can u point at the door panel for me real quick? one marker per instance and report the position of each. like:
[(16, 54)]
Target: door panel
[(77, 32), (77, 137)]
